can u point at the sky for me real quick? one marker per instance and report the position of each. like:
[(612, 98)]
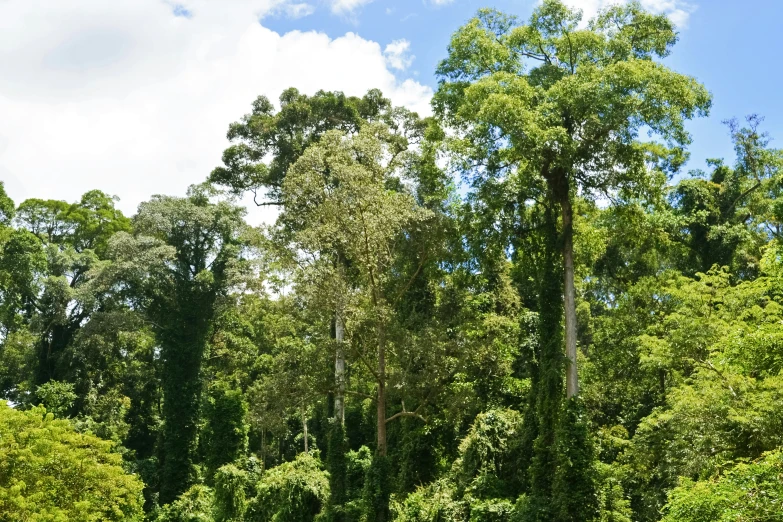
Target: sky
[(134, 97)]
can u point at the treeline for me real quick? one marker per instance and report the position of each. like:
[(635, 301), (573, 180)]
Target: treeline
[(515, 310)]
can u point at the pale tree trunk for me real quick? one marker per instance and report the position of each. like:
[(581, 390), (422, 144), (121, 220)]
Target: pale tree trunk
[(304, 431), (381, 391), (339, 369), (572, 382)]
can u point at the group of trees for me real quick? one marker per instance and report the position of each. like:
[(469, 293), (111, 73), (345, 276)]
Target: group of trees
[(509, 311)]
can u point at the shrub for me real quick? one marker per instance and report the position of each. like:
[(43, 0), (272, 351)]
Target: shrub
[(294, 491), (194, 505)]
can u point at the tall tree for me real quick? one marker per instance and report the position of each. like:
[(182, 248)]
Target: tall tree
[(346, 195), (184, 258), (560, 108), (284, 135), (566, 104)]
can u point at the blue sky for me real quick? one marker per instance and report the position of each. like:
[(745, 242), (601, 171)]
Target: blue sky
[(133, 97), (732, 47)]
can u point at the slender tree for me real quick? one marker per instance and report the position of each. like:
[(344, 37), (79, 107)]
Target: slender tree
[(284, 135)]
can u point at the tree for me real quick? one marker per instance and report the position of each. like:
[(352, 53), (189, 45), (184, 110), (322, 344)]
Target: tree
[(181, 265), (7, 207), (344, 196), (48, 471), (73, 239), (285, 135), (561, 108), (565, 105), (727, 218), (337, 199), (295, 491)]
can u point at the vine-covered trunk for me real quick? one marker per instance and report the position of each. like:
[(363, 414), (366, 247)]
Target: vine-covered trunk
[(181, 397), (183, 341), (379, 482), (50, 349), (549, 378), (569, 295)]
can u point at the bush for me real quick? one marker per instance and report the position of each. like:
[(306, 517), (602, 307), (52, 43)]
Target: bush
[(495, 510), (50, 472), (291, 492), (194, 505), (486, 469), (434, 502), (230, 499)]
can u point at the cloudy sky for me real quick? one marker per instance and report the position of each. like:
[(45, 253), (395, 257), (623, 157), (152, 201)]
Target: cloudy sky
[(133, 97)]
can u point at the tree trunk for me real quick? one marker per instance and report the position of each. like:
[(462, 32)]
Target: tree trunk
[(572, 383), (339, 369), (304, 431), (381, 448)]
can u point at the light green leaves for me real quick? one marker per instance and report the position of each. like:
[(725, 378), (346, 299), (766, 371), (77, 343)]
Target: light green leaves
[(49, 472)]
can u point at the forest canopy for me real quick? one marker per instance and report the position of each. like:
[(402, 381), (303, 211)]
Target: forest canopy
[(518, 309)]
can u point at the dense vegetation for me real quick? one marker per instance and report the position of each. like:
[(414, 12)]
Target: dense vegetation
[(514, 310)]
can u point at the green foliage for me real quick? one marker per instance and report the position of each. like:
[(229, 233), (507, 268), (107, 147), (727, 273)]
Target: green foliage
[(613, 506), (337, 465), (180, 265), (194, 505), (388, 308), (574, 487), (483, 481), (286, 134), (50, 472), (22, 262), (492, 511), (295, 491), (749, 491), (378, 488), (7, 207), (230, 496), (708, 342), (485, 467), (224, 436), (434, 502), (358, 466), (729, 216), (57, 397)]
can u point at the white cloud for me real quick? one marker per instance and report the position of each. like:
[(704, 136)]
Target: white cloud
[(125, 97), (347, 6), (299, 10), (441, 2), (677, 10), (398, 54)]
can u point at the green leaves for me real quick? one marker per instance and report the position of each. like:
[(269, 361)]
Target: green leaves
[(749, 491), (551, 92), (292, 492), (50, 472), (286, 134)]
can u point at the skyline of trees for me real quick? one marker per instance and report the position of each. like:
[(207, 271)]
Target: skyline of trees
[(518, 309)]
